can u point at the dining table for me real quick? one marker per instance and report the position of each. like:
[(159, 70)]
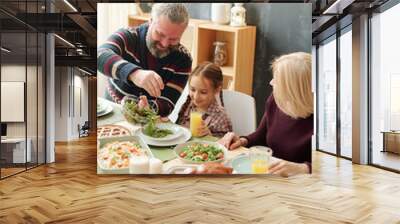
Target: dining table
[(164, 153)]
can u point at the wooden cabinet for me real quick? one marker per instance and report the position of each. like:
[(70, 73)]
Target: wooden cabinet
[(240, 44), (199, 38), (391, 141)]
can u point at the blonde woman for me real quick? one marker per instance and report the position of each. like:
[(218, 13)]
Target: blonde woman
[(287, 123)]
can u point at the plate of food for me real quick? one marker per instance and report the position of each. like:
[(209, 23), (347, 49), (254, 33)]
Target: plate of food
[(114, 153), (256, 161), (100, 108), (198, 152), (206, 168), (136, 115), (183, 137), (241, 164), (103, 108), (183, 169), (111, 130), (161, 131)]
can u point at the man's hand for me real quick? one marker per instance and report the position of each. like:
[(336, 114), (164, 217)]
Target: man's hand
[(148, 80), (143, 102)]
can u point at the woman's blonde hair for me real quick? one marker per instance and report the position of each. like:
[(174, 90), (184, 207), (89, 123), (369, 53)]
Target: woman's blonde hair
[(292, 84)]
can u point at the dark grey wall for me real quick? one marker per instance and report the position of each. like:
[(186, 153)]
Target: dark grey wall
[(281, 28)]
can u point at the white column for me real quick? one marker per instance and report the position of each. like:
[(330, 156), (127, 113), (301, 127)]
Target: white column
[(360, 90), (50, 101)]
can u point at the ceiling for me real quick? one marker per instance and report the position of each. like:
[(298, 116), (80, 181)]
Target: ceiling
[(77, 27), (330, 15)]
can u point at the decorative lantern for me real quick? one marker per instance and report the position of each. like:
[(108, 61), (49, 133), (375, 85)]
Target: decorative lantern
[(238, 15)]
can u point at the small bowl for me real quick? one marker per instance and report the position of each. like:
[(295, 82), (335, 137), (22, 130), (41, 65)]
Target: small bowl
[(179, 148), (136, 117)]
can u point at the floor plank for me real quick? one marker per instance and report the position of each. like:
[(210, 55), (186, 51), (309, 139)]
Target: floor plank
[(70, 191)]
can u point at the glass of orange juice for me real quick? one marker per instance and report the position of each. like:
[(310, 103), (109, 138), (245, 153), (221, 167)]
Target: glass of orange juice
[(195, 122), (260, 157)]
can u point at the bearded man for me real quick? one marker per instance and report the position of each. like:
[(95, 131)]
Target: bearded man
[(148, 60)]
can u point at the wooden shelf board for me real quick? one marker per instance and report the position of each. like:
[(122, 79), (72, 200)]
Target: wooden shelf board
[(145, 16), (226, 28), (228, 71)]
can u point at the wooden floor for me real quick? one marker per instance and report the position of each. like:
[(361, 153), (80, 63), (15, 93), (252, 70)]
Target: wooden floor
[(388, 159), (10, 171), (69, 191)]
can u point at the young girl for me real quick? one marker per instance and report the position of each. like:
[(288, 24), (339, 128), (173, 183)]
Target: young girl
[(205, 83)]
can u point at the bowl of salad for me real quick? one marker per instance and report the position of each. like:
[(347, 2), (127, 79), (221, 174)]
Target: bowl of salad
[(135, 115), (200, 152)]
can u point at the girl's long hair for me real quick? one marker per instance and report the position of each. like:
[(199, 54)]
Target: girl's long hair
[(209, 71)]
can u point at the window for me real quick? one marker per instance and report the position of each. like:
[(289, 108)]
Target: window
[(346, 93), (22, 74), (327, 96), (385, 88)]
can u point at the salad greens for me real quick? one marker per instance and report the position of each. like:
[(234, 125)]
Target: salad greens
[(201, 152), (150, 129), (137, 115)]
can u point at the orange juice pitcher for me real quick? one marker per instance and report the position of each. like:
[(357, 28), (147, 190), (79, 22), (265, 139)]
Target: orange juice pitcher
[(195, 122)]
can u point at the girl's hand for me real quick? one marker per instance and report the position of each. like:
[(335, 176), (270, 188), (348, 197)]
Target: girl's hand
[(232, 141), (286, 169), (203, 130)]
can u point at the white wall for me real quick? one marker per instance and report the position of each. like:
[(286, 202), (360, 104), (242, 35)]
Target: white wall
[(61, 103), (33, 126), (71, 95), (314, 89), (110, 17), (12, 73)]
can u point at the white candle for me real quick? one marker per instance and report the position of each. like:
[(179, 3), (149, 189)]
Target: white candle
[(155, 166), (139, 165)]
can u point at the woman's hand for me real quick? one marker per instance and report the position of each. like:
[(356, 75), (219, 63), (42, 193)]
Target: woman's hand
[(286, 169), (203, 130), (232, 141)]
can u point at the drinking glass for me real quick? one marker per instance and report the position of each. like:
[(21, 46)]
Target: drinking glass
[(195, 122), (260, 157)]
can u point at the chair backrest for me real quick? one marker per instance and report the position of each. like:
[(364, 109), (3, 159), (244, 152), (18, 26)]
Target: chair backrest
[(86, 125), (241, 108)]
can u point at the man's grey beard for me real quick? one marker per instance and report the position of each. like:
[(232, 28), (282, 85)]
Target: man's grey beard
[(152, 46)]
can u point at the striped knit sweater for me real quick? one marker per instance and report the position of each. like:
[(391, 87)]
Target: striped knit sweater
[(126, 51)]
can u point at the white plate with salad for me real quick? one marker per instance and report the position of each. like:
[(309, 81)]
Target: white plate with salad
[(183, 137), (161, 131)]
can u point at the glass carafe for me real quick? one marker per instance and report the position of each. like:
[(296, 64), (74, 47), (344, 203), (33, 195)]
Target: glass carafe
[(220, 53)]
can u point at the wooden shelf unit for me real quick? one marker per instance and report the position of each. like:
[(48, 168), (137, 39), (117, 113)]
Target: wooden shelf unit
[(199, 38)]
